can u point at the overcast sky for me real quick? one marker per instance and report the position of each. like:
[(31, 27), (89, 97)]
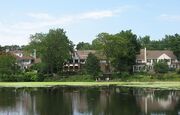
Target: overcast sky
[(84, 19)]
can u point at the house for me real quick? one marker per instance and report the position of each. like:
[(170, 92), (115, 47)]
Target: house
[(78, 59), (147, 58), (24, 60)]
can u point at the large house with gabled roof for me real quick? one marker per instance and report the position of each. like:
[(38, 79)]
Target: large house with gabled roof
[(78, 59), (147, 58)]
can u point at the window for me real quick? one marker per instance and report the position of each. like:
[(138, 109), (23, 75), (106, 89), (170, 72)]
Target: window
[(167, 60), (154, 60), (172, 60), (149, 60), (76, 61), (139, 61)]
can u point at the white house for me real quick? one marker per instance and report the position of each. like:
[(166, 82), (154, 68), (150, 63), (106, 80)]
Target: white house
[(146, 59), (24, 61)]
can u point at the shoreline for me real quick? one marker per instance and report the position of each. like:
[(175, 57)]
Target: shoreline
[(153, 85)]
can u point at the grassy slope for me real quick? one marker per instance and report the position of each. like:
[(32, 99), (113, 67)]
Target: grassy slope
[(163, 85)]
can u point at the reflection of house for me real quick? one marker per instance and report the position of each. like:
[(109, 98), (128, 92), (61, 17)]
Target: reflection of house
[(146, 59), (79, 58), (151, 104), (24, 61)]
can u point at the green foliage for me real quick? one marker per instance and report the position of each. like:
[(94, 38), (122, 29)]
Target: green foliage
[(144, 41), (170, 42), (53, 48), (57, 50), (8, 67), (121, 75), (92, 65), (83, 46), (71, 78), (122, 49), (161, 67), (100, 42), (173, 43), (178, 71), (30, 76)]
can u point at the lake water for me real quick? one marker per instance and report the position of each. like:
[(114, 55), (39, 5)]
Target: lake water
[(88, 101)]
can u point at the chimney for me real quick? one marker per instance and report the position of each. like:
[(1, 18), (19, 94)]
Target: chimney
[(145, 56), (34, 53)]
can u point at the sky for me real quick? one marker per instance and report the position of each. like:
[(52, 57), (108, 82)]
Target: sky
[(83, 20)]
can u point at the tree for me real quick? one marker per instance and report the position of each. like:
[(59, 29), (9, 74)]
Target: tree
[(144, 41), (92, 65), (56, 49), (53, 48), (122, 49), (100, 42), (7, 63), (161, 67), (8, 67), (83, 46), (173, 43), (36, 42)]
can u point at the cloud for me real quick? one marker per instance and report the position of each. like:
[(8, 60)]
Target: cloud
[(39, 22), (169, 17)]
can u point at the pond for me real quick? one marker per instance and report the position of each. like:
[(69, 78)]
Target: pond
[(88, 101)]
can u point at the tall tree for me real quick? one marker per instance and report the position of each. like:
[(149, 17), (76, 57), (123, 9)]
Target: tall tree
[(101, 44), (53, 47), (36, 42), (92, 65), (57, 50), (122, 49)]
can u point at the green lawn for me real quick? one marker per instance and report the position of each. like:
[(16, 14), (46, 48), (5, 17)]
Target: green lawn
[(162, 85)]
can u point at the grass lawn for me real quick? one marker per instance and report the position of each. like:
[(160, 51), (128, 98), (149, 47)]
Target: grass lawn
[(161, 85)]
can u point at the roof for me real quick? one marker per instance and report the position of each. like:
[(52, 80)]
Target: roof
[(83, 54), (24, 58), (154, 54), (16, 51)]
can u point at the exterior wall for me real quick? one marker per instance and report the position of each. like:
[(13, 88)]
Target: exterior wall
[(19, 54)]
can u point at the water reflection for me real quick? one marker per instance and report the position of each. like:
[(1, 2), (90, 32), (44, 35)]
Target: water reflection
[(88, 101)]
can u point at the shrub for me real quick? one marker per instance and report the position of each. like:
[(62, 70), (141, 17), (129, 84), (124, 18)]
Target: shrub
[(161, 67), (178, 71), (30, 76)]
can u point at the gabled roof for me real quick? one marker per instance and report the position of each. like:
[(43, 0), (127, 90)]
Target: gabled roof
[(83, 54), (16, 51), (154, 54)]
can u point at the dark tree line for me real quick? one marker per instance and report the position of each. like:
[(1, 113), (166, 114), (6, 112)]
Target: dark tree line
[(169, 42)]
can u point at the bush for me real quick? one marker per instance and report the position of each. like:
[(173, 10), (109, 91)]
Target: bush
[(178, 71), (161, 67), (73, 78), (30, 76)]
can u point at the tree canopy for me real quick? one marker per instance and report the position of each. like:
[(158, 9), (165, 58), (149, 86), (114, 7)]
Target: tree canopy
[(83, 46), (53, 47)]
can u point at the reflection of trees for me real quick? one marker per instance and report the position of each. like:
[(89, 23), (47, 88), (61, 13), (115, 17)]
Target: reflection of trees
[(7, 101), (105, 101), (91, 101), (53, 102)]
